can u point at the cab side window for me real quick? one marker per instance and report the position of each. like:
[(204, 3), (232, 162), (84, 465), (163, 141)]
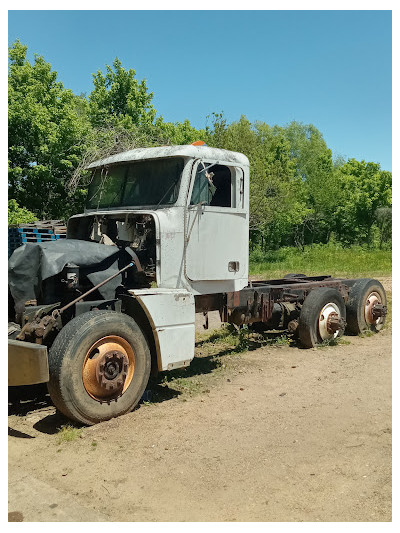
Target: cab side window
[(212, 186)]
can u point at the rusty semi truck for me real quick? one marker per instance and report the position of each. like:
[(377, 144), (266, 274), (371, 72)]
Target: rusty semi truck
[(164, 235)]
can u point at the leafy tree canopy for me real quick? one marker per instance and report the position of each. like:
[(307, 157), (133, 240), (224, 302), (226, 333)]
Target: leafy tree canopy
[(18, 215), (298, 194), (118, 97), (46, 135)]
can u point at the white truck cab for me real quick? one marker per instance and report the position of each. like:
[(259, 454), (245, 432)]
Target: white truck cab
[(197, 200)]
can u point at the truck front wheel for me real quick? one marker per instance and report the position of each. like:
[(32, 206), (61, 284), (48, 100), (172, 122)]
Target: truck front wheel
[(99, 366)]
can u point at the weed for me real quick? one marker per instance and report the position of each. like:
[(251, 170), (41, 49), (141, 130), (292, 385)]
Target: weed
[(333, 342), (282, 340), (190, 386), (238, 340), (68, 433), (94, 445), (366, 333)]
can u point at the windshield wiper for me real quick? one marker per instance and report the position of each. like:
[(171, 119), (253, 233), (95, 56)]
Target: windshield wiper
[(168, 190)]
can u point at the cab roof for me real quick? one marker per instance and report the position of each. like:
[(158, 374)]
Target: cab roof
[(187, 150)]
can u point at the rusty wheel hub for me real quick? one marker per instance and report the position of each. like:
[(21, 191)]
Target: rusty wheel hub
[(334, 323), (112, 369), (375, 311), (108, 368), (330, 321)]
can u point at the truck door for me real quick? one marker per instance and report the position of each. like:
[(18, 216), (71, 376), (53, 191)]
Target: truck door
[(217, 224)]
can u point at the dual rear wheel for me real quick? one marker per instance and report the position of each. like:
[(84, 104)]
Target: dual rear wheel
[(325, 316), (366, 307)]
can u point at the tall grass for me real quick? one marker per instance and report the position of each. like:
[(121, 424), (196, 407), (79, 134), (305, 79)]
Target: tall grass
[(321, 259)]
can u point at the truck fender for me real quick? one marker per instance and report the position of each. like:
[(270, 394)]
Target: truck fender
[(167, 317)]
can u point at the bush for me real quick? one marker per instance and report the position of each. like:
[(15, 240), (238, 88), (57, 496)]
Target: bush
[(19, 215)]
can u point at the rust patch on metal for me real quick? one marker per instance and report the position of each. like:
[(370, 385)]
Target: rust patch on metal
[(374, 309), (334, 323), (108, 368)]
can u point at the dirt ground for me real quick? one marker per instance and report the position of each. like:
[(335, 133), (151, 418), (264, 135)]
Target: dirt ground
[(275, 434)]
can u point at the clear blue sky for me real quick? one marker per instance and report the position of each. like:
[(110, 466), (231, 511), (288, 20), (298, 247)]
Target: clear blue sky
[(328, 68)]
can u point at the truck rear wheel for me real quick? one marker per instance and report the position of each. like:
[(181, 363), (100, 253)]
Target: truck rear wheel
[(366, 307), (99, 366), (322, 317)]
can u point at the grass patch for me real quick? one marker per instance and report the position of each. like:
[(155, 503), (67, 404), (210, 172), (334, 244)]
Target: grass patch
[(68, 434), (228, 336), (321, 259), (190, 385), (239, 340), (333, 342), (367, 334)]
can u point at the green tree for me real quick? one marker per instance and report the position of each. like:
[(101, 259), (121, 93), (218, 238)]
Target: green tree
[(47, 128), (119, 98), (275, 203), (318, 182), (364, 188), (18, 215), (177, 133)]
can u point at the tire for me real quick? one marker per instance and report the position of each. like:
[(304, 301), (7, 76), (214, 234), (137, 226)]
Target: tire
[(359, 313), (79, 386), (314, 326)]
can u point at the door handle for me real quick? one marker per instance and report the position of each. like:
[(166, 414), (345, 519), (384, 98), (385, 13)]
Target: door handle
[(233, 266)]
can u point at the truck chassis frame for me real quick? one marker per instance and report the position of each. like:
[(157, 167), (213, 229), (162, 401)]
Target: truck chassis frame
[(255, 303)]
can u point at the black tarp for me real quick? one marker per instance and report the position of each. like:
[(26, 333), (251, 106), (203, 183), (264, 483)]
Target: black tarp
[(33, 263)]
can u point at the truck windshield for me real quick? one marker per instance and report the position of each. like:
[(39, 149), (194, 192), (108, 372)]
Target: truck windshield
[(140, 183)]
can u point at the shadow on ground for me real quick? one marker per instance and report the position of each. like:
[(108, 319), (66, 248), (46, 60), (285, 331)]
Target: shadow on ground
[(34, 399), (26, 399)]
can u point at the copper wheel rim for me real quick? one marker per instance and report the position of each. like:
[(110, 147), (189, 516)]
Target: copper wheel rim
[(108, 368)]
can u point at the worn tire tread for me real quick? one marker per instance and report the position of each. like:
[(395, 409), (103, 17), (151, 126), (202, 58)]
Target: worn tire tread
[(355, 318), (58, 392), (310, 310)]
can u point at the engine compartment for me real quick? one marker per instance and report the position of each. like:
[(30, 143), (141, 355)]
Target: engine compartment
[(135, 231), (97, 247)]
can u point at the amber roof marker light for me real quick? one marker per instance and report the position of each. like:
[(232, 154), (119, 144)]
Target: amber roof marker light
[(199, 143)]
